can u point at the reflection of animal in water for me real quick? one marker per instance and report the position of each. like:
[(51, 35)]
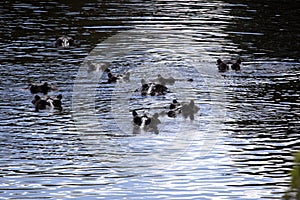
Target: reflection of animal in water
[(171, 80), (154, 122), (165, 81), (43, 88), (64, 41), (174, 109), (153, 89), (189, 109), (96, 67), (222, 66), (236, 66), (114, 78)]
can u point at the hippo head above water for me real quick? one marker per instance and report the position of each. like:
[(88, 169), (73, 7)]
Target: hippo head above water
[(64, 41)]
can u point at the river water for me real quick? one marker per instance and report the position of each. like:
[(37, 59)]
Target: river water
[(239, 145)]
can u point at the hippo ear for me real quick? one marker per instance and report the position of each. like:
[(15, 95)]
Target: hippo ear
[(109, 75), (59, 42), (106, 69), (59, 96), (71, 41), (134, 113)]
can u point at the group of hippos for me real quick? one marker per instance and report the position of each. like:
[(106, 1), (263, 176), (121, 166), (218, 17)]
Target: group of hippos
[(49, 102), (45, 102), (157, 88)]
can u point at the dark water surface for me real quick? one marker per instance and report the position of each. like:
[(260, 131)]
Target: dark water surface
[(240, 144)]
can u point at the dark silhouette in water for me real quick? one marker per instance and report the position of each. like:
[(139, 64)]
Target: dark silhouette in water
[(222, 66), (40, 104), (141, 121), (236, 66), (114, 78), (44, 88), (145, 123), (50, 102), (174, 109), (153, 89)]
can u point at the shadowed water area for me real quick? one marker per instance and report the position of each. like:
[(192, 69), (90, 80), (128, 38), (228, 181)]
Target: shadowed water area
[(239, 145)]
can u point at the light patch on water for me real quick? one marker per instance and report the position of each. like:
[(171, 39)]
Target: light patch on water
[(161, 55)]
